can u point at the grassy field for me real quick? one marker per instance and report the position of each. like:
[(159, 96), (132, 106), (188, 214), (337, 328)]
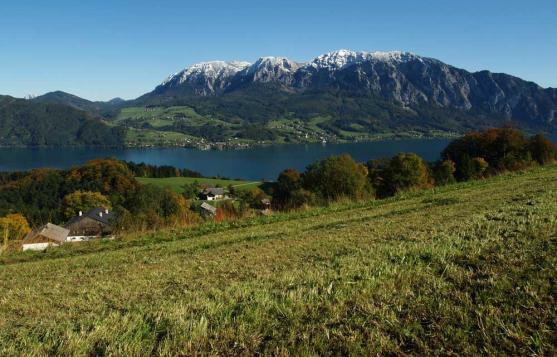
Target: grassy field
[(468, 269), (176, 184)]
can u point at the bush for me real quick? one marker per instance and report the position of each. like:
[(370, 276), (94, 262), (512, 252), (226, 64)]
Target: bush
[(337, 177), (191, 190), (479, 167), (542, 150), (404, 172), (288, 193), (443, 172), (252, 197), (227, 210)]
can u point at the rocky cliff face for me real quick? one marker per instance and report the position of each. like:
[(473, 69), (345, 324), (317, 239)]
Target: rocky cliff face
[(404, 79)]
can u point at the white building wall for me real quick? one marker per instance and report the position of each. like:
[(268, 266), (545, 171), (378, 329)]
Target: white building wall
[(38, 246)]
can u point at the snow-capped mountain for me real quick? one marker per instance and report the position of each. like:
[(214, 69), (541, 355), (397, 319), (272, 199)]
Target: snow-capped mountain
[(269, 69), (403, 79), (342, 58), (205, 78)]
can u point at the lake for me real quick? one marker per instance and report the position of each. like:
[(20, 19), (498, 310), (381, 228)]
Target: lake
[(250, 164)]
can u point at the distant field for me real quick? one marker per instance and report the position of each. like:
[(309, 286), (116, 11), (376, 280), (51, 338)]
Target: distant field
[(468, 269), (176, 183)]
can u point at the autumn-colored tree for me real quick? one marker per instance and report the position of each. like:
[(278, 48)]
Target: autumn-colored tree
[(407, 172), (443, 172), (83, 201), (479, 166), (288, 192), (336, 177), (502, 148), (542, 150), (110, 177), (14, 225), (252, 197)]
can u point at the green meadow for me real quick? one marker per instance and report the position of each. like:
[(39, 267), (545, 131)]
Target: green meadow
[(465, 269), (176, 184)]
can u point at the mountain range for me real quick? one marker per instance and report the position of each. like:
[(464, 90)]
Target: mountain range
[(341, 94)]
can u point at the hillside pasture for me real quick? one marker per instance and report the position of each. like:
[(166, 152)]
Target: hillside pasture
[(466, 269)]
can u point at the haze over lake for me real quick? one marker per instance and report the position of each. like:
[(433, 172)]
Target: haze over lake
[(251, 164)]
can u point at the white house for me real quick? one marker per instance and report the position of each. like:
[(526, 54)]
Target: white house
[(212, 194)]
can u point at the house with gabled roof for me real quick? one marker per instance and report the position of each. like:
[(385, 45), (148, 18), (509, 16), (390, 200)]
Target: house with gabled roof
[(92, 224), (46, 236), (207, 210), (212, 194)]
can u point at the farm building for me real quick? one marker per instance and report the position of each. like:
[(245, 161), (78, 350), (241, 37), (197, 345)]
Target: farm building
[(94, 223), (212, 194), (266, 207), (207, 210), (44, 237)]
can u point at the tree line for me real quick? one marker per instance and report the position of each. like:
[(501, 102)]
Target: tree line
[(473, 156), (45, 195)]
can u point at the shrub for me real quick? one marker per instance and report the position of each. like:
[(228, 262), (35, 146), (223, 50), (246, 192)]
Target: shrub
[(227, 210), (287, 193), (337, 177), (443, 172), (252, 197), (404, 172), (542, 150), (191, 190), (479, 167)]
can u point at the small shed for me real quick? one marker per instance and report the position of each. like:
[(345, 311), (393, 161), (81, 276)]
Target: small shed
[(212, 194), (207, 210), (94, 223), (44, 237)]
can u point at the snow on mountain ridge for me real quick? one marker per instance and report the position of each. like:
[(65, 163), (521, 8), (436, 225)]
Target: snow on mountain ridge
[(281, 69), (269, 63), (341, 58), (211, 69)]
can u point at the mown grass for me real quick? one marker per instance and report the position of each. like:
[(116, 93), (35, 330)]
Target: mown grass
[(466, 269), (176, 184)]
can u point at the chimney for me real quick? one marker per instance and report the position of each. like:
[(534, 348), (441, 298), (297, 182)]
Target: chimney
[(100, 214), (106, 210), (80, 213)]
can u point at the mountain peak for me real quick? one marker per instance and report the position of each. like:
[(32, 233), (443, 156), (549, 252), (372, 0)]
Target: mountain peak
[(341, 58), (211, 69), (276, 63)]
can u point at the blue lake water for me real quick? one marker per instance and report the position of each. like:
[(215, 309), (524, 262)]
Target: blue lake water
[(252, 164)]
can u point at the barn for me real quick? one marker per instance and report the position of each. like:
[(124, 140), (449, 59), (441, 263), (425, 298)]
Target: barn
[(44, 237)]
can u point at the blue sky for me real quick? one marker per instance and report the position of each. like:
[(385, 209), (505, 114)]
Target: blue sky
[(100, 49)]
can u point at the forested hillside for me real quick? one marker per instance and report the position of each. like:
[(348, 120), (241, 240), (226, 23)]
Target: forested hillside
[(29, 123)]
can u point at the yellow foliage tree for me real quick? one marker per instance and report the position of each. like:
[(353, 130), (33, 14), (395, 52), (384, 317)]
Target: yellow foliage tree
[(14, 226), (83, 201)]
